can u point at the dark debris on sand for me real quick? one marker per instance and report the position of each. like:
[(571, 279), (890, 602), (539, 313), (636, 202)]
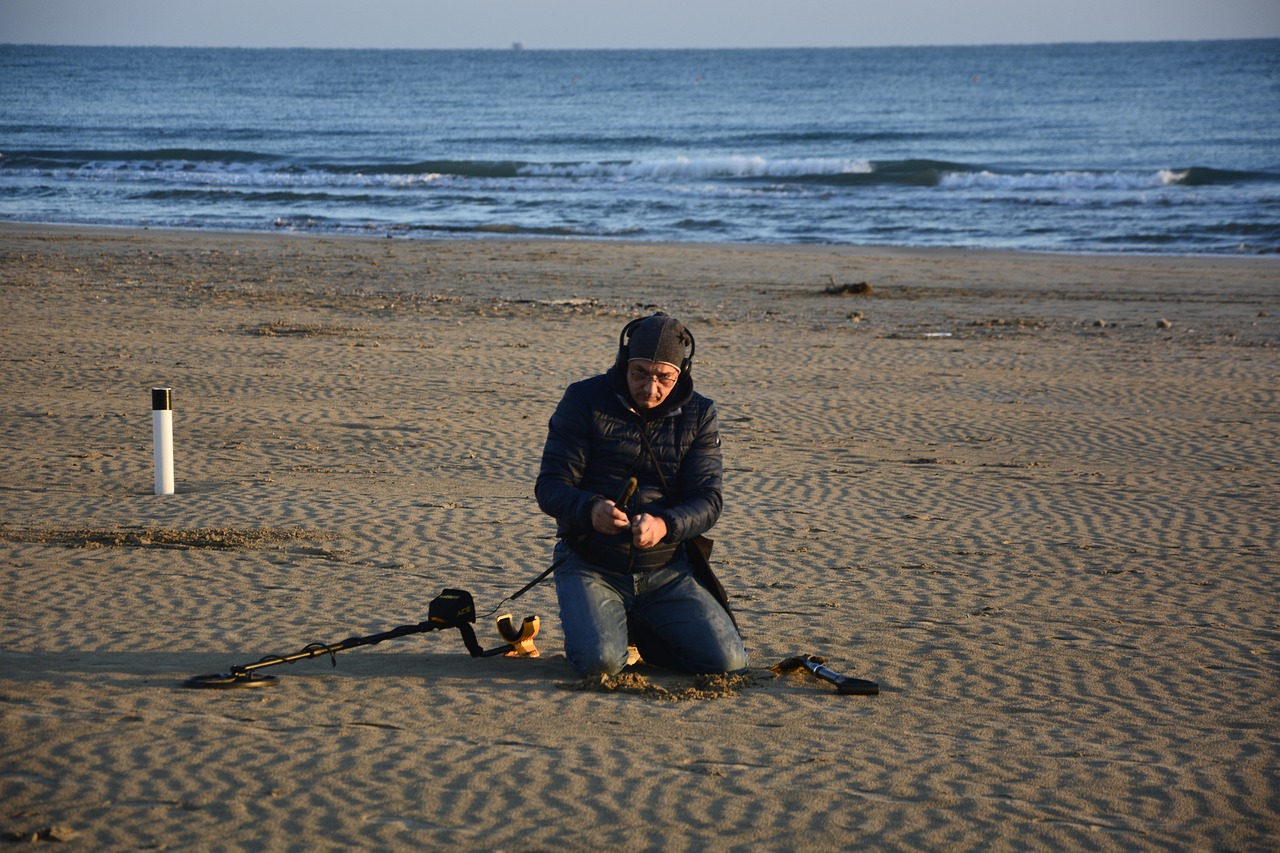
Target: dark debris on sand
[(214, 538), (704, 687)]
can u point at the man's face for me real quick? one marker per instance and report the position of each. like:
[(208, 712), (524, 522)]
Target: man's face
[(650, 382)]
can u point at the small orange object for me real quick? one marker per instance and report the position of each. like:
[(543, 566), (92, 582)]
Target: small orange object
[(521, 640)]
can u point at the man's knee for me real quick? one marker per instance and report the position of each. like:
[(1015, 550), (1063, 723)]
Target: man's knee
[(596, 662), (729, 658)]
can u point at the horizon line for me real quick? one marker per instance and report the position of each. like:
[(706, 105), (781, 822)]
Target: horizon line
[(521, 47)]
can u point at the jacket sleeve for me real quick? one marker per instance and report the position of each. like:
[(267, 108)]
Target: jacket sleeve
[(701, 480), (564, 462)]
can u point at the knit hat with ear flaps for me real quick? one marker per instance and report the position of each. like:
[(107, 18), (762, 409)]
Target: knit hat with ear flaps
[(660, 339)]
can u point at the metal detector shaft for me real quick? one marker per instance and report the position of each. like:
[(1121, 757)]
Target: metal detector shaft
[(315, 650)]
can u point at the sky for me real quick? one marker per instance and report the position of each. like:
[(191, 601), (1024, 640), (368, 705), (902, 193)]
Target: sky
[(573, 24)]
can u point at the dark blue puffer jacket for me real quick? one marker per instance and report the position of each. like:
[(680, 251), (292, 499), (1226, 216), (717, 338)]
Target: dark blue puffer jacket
[(594, 444)]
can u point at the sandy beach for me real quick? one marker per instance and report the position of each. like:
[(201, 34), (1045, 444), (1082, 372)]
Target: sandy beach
[(1035, 497)]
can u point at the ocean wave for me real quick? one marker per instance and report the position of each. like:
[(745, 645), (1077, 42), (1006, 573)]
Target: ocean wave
[(265, 196), (1200, 176), (1085, 180), (423, 169), (1055, 181), (175, 163), (178, 168), (702, 168), (156, 158), (188, 166)]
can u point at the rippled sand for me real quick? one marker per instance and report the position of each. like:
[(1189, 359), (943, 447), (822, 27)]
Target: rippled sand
[(1034, 497)]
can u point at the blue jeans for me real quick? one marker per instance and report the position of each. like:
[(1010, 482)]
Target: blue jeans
[(672, 619)]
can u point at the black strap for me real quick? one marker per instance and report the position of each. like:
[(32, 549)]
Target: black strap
[(657, 466), (534, 582), (697, 549)]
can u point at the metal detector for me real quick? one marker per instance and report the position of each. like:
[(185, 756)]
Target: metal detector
[(453, 608)]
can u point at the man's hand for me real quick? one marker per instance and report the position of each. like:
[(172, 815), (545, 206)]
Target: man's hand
[(647, 530), (607, 518)]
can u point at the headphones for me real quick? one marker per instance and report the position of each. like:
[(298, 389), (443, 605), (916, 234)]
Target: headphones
[(624, 343)]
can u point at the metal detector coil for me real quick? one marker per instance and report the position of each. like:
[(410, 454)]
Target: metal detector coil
[(223, 680)]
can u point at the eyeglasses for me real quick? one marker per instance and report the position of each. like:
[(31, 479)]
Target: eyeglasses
[(666, 380)]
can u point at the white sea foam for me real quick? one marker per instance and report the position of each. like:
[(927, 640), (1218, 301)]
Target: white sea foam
[(233, 175), (1053, 181), (684, 168)]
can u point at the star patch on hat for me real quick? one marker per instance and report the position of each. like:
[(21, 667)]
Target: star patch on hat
[(660, 339)]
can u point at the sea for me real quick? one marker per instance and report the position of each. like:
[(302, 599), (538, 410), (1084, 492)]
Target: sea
[(1153, 147)]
